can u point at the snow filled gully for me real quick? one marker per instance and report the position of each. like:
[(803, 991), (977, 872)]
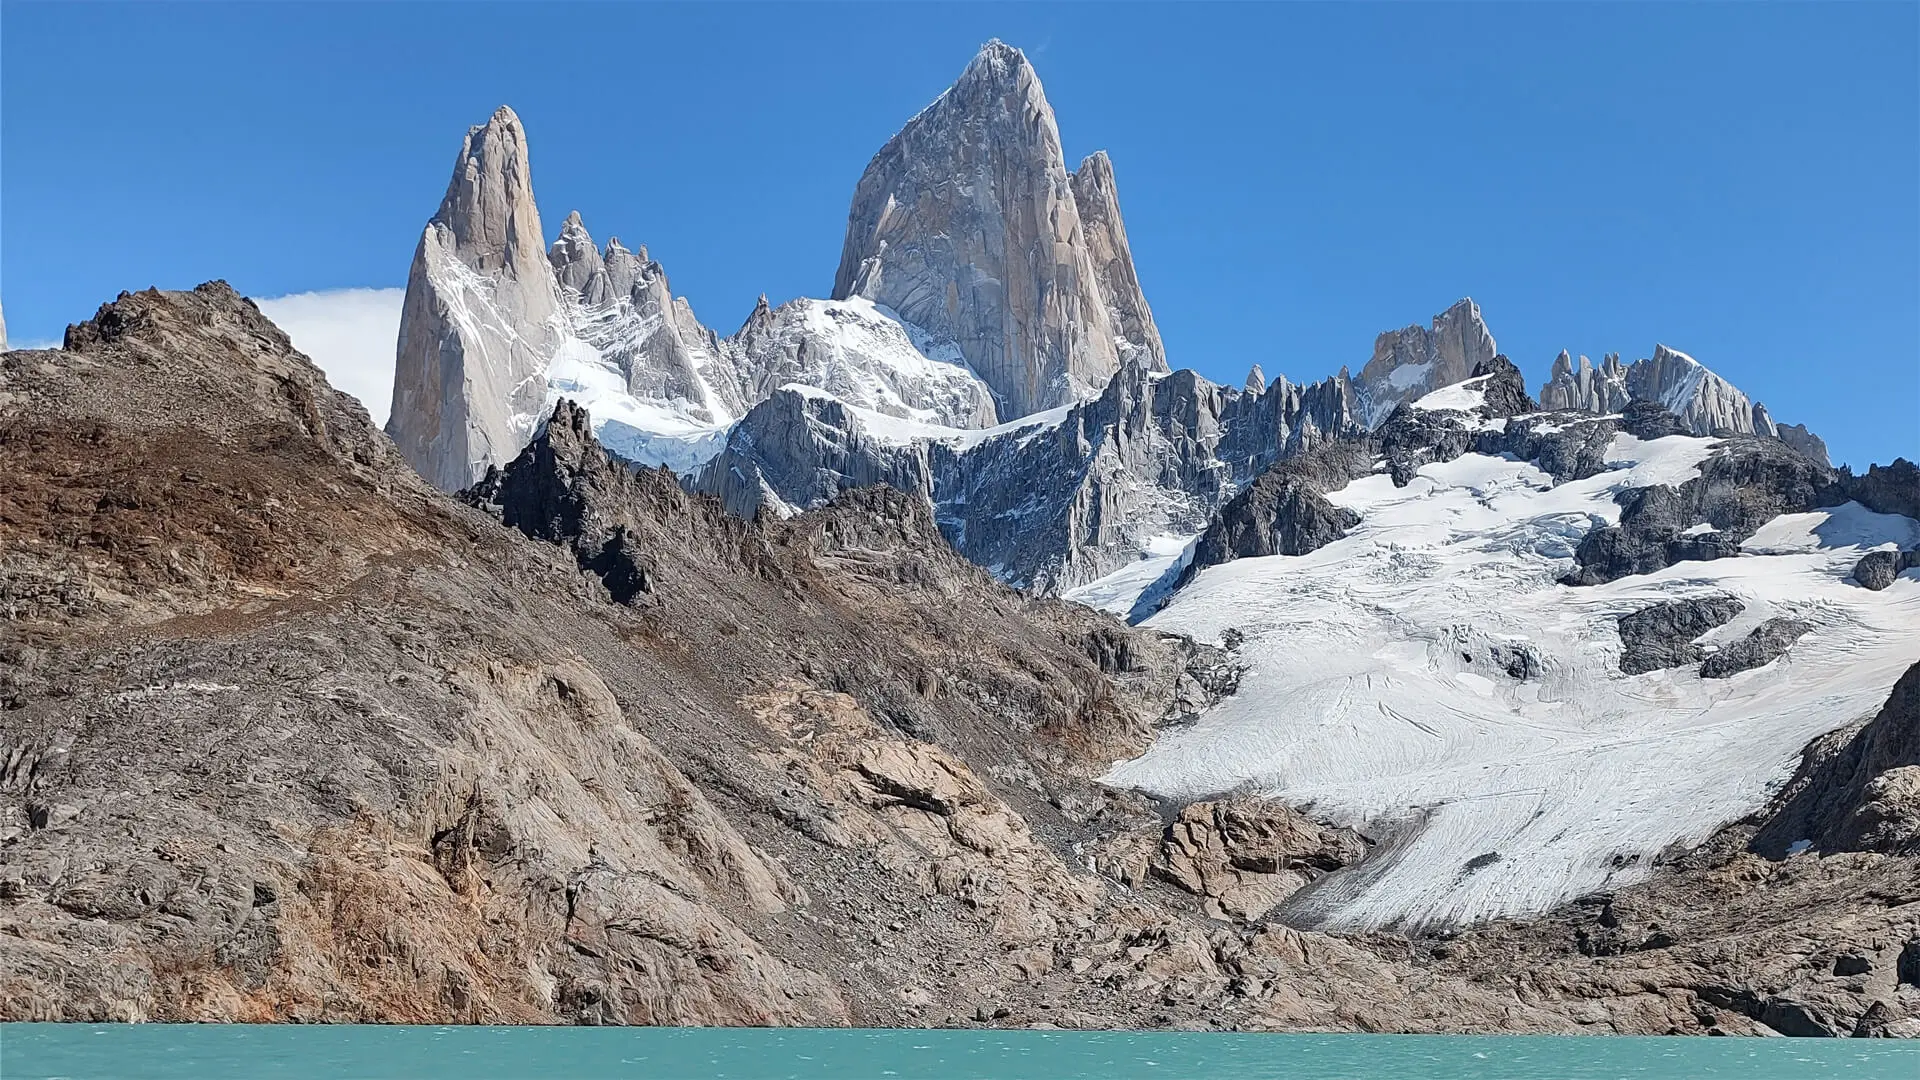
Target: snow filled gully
[(1378, 690)]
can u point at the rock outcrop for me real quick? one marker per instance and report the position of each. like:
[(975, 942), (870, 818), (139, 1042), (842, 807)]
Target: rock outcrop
[(864, 357), (1664, 635), (969, 226), (1761, 646), (1600, 390), (1417, 360), (1877, 570), (1705, 403), (481, 317), (1744, 484), (1284, 511), (1887, 489), (622, 306), (1858, 790), (1240, 857)]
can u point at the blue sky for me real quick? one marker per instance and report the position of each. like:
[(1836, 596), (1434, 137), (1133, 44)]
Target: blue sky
[(1741, 182)]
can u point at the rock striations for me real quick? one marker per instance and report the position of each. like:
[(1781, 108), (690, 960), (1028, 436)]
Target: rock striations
[(1412, 362), (969, 226), (480, 320)]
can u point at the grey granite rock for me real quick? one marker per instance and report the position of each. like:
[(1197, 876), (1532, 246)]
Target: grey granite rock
[(1586, 388), (1809, 444), (1053, 502), (1285, 510), (967, 224), (1886, 489), (480, 319), (794, 451), (1098, 201), (1877, 570), (1414, 361), (1704, 402), (1744, 484), (1662, 635), (858, 354), (622, 304), (1857, 793), (1503, 389), (1761, 646)]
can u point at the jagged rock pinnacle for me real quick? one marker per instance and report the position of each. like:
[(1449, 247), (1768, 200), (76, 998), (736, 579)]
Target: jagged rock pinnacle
[(969, 225), (478, 323)]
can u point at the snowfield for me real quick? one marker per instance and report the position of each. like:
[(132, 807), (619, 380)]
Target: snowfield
[(1373, 696)]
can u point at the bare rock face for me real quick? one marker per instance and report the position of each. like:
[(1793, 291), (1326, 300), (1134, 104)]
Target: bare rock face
[(1098, 201), (1241, 857), (1809, 444), (1414, 361), (1860, 793), (1704, 402), (856, 352), (1285, 511), (1745, 483), (481, 316), (969, 226), (1663, 635), (620, 304), (1877, 570), (1586, 388), (796, 450), (1887, 489), (1763, 645)]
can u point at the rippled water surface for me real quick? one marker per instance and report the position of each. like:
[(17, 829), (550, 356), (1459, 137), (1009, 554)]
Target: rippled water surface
[(212, 1052)]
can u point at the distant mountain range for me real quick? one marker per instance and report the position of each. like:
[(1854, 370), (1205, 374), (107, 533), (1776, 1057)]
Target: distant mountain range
[(987, 345)]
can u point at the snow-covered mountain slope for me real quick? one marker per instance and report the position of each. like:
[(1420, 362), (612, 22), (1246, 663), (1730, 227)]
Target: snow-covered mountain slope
[(863, 354), (1429, 675), (494, 332)]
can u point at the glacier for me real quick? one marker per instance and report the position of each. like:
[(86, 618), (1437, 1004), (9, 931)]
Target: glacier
[(1372, 695)]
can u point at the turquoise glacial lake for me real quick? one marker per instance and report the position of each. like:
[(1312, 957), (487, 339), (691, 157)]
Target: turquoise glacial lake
[(212, 1052)]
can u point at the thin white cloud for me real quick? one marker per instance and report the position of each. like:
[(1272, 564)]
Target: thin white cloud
[(350, 333)]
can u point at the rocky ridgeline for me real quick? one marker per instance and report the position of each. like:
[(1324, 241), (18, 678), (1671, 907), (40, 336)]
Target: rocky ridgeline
[(286, 734), (981, 283)]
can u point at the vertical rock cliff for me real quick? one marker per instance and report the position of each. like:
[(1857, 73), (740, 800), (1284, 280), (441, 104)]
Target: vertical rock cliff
[(1586, 388), (968, 224), (1414, 361), (480, 319)]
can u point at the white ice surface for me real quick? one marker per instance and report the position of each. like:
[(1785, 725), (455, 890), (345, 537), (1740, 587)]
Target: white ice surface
[(1122, 590), (647, 431), (899, 431), (1360, 699), (1461, 396)]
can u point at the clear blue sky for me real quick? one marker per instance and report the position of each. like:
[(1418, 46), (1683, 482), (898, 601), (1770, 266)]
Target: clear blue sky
[(1740, 181)]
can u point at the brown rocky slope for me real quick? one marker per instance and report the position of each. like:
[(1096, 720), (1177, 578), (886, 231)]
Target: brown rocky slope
[(287, 735)]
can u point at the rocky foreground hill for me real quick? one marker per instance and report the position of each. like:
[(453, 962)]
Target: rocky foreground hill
[(286, 733)]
